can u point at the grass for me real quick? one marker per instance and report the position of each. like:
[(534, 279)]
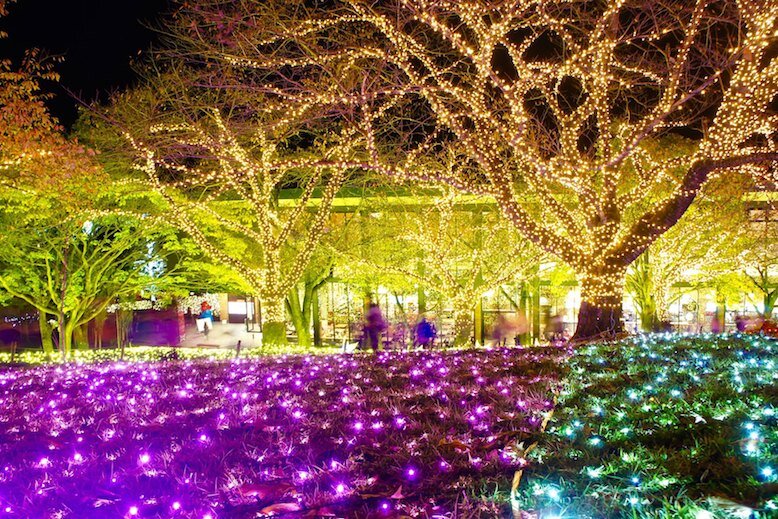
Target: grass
[(662, 426), (350, 435)]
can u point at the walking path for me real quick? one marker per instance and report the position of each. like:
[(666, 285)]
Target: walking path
[(222, 336)]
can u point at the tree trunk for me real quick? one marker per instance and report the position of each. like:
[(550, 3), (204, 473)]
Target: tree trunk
[(302, 327), (524, 311), (648, 317), (398, 304), (536, 309), (478, 317), (273, 322), (46, 330), (421, 295), (80, 337), (640, 284), (463, 326), (316, 315), (121, 336), (99, 328), (769, 301), (662, 298), (599, 317), (123, 323), (721, 314), (66, 339), (300, 313)]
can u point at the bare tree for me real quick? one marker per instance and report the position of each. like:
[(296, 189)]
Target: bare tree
[(551, 106), (468, 252), (220, 178)]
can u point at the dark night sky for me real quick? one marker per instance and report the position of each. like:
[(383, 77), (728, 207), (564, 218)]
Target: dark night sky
[(97, 38)]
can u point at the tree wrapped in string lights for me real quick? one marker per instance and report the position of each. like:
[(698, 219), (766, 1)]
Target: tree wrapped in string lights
[(467, 264), (702, 248), (760, 257), (221, 182), (551, 106), (467, 250)]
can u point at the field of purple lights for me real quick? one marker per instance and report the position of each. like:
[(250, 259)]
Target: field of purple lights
[(298, 436)]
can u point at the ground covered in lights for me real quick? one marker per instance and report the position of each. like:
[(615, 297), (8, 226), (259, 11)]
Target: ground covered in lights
[(157, 353), (663, 426)]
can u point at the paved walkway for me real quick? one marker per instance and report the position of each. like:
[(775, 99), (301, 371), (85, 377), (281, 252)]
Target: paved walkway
[(222, 336)]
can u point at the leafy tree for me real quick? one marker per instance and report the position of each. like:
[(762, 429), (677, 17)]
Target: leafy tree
[(37, 159), (71, 268), (221, 176), (463, 250), (701, 248), (34, 152), (760, 257), (302, 302), (468, 253)]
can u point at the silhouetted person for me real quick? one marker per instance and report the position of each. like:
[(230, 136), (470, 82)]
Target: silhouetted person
[(715, 325), (740, 323), (556, 327), (425, 333), (506, 327), (374, 326)]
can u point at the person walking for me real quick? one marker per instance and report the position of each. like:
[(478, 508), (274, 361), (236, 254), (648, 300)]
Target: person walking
[(205, 318), (425, 333), (374, 326)]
